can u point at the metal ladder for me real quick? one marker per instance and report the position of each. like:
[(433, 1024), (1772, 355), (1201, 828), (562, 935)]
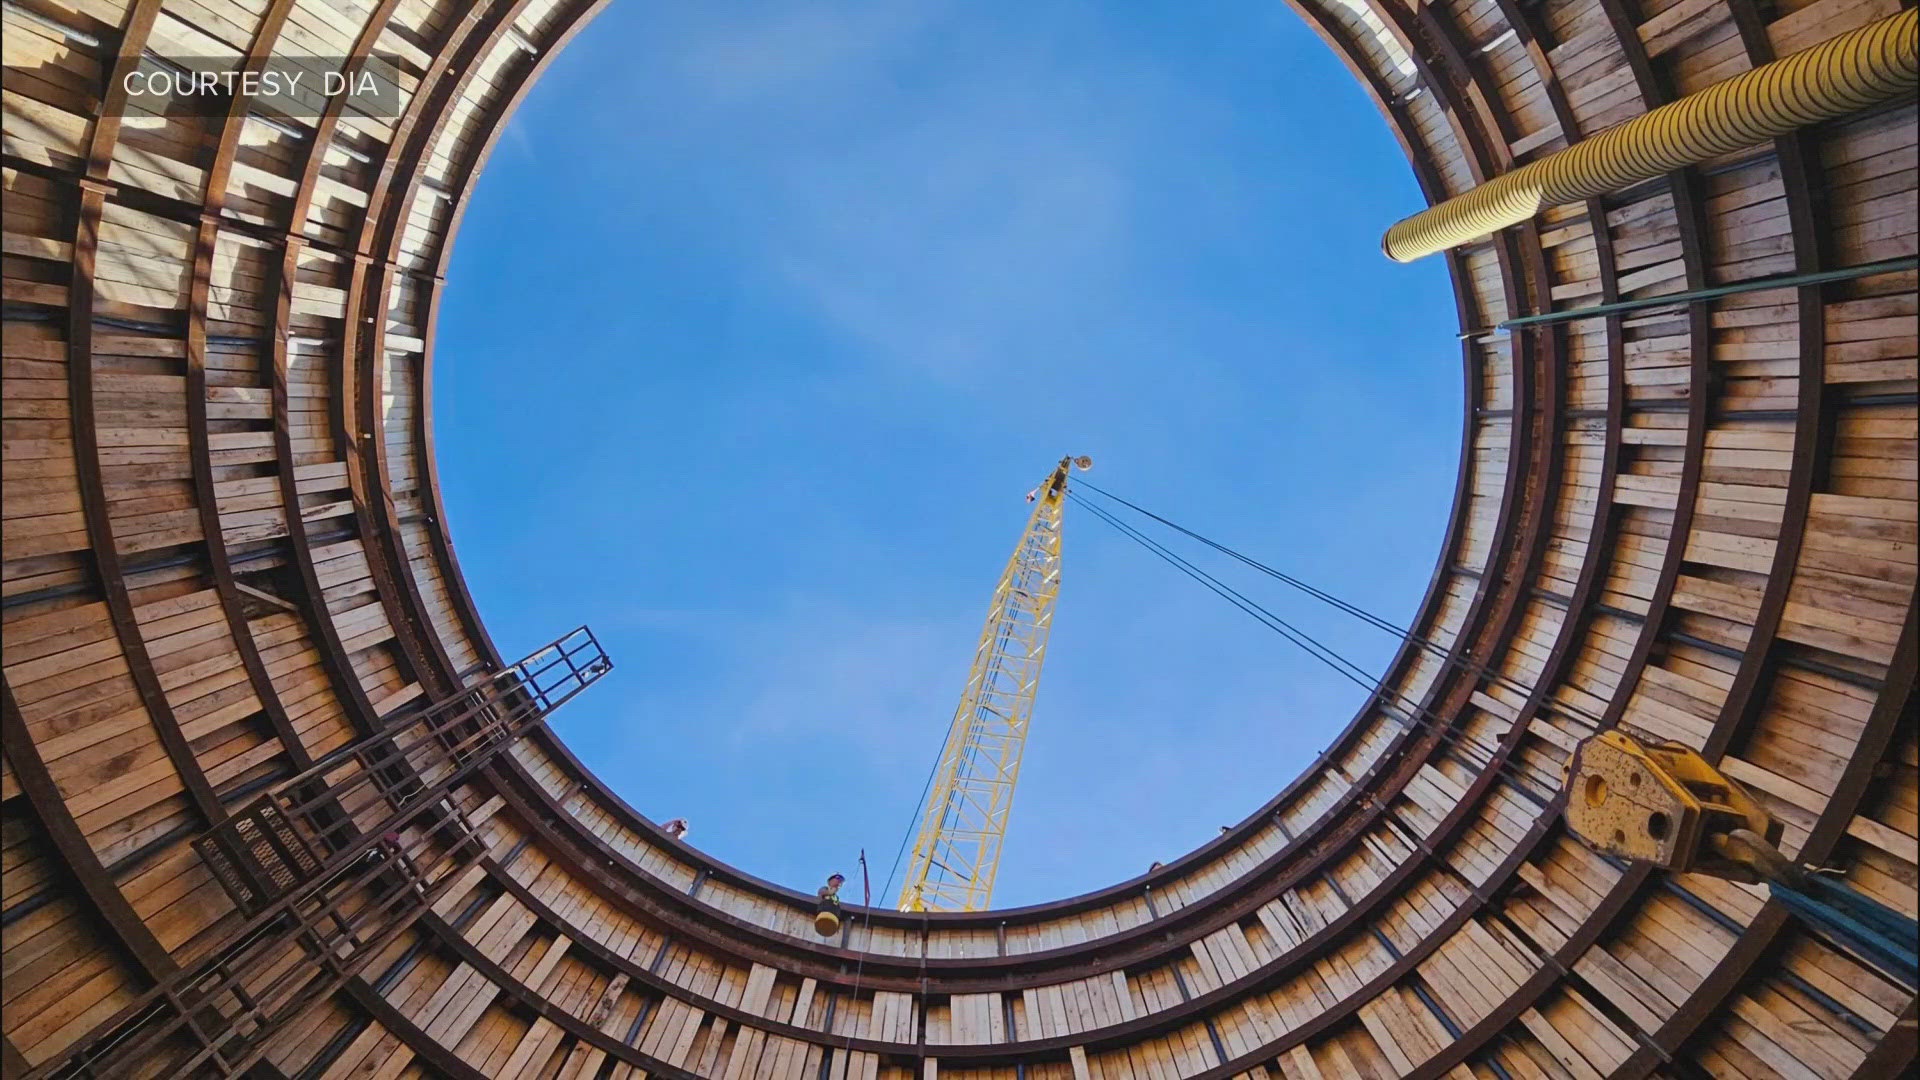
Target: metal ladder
[(328, 867)]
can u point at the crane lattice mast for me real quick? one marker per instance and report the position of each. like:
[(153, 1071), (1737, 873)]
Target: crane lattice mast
[(957, 850)]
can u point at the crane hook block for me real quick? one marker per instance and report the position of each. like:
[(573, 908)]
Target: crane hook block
[(826, 922), (1661, 804)]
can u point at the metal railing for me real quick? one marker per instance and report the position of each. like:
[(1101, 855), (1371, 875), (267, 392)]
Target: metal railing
[(328, 867)]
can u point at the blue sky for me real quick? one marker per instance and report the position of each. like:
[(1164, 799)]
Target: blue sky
[(765, 317)]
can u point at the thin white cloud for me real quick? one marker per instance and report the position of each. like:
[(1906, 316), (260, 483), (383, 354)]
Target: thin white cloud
[(750, 52), (990, 237), (872, 685), (956, 207), (644, 616), (521, 140)]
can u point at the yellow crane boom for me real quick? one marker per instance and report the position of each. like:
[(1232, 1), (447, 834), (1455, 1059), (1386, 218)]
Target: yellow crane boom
[(956, 853)]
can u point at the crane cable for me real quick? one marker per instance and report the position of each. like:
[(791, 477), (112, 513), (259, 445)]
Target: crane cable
[(1340, 664), (1396, 705), (1360, 613), (1459, 739), (1344, 667), (1833, 909), (1440, 728), (866, 915)]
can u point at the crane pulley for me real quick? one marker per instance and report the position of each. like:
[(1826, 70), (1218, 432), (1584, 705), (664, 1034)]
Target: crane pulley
[(1662, 803), (956, 852)]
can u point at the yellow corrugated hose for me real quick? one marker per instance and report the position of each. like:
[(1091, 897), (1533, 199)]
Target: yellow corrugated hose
[(1862, 67)]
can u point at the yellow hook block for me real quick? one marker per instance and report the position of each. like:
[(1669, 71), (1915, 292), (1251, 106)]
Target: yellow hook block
[(826, 922), (1661, 804)]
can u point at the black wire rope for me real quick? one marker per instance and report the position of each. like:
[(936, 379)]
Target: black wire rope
[(1346, 668), (1429, 645), (1460, 740), (866, 915), (1395, 704)]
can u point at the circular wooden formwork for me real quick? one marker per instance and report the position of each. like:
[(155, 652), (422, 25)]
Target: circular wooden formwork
[(1697, 521)]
